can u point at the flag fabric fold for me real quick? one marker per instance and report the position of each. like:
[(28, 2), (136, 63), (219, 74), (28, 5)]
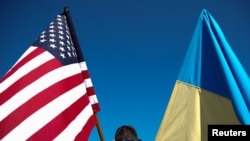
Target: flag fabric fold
[(48, 93), (212, 87)]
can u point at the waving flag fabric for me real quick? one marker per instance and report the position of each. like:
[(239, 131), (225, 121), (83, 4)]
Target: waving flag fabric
[(212, 87), (48, 93)]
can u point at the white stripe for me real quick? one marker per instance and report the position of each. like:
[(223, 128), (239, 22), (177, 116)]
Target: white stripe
[(44, 115), (36, 87), (26, 68), (93, 99), (88, 82), (83, 66), (76, 126)]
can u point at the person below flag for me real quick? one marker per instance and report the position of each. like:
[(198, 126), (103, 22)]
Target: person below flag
[(48, 93)]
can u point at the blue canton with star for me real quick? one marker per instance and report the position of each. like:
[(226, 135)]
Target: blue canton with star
[(56, 39)]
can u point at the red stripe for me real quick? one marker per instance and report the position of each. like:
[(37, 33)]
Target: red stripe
[(91, 91), (58, 124), (38, 101), (85, 74), (96, 107), (26, 59), (84, 134), (28, 78)]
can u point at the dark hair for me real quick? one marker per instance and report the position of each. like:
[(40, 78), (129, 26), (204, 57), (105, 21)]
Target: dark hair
[(126, 132)]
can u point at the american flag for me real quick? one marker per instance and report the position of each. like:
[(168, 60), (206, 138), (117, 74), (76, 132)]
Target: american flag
[(48, 93)]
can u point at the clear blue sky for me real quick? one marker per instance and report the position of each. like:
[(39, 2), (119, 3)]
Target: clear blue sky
[(134, 48)]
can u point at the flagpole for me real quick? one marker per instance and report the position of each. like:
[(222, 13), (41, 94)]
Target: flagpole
[(80, 57)]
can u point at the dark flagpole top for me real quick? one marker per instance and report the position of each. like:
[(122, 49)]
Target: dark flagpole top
[(66, 9)]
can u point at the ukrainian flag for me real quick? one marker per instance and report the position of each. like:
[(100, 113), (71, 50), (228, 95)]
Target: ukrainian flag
[(212, 87)]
